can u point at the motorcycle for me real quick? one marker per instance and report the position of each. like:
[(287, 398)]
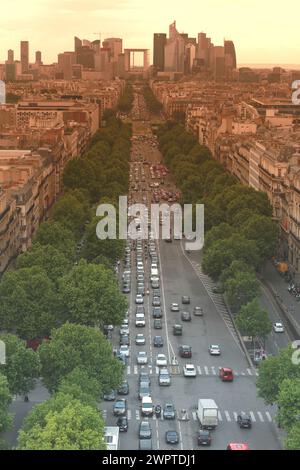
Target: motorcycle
[(157, 411)]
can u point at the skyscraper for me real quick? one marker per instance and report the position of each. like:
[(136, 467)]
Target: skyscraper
[(159, 42), (10, 56), (219, 63), (77, 43), (115, 46), (38, 57), (230, 52), (174, 50), (24, 56)]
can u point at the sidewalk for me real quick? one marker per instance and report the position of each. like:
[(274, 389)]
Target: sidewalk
[(286, 301)]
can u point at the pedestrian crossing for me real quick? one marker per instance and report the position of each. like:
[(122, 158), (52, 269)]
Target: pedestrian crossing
[(200, 371), (225, 416)]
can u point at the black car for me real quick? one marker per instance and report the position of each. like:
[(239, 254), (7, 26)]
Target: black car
[(185, 351), (110, 396), (203, 438), (126, 289), (185, 299), (122, 423), (157, 324), (158, 342), (244, 420), (124, 340), (124, 388), (156, 292), (177, 330), (156, 312), (172, 437), (186, 316)]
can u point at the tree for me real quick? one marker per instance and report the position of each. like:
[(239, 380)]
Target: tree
[(58, 236), (293, 440), (218, 232), (47, 257), (5, 400), (77, 346), (273, 371), (236, 268), (253, 321), (29, 305), (264, 231), (81, 386), (71, 213), (22, 365), (112, 249), (288, 403), (63, 423), (91, 296), (241, 289)]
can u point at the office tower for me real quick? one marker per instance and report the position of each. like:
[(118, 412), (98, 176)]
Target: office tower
[(230, 53), (159, 42), (96, 45), (86, 57), (10, 56), (189, 57), (38, 57), (66, 61), (115, 47), (174, 50), (219, 63), (77, 43), (25, 56)]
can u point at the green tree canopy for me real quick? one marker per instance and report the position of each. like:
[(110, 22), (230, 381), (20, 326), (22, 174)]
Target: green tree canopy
[(58, 236), (253, 321), (241, 289), (22, 366), (5, 400), (289, 403), (77, 346)]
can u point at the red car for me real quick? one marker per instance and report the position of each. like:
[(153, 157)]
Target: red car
[(226, 374), (237, 446)]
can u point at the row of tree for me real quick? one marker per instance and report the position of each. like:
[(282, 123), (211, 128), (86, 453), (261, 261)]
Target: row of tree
[(126, 100), (57, 292), (279, 383), (240, 234), (152, 103)]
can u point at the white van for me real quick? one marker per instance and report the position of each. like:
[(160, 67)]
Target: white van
[(147, 406)]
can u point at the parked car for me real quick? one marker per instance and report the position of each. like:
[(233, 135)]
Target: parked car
[(110, 396), (124, 349)]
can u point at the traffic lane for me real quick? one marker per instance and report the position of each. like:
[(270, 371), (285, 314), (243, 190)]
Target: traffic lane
[(180, 279), (231, 398)]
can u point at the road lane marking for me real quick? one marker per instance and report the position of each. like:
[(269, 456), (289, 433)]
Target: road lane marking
[(252, 416), (235, 415), (128, 414), (220, 416), (227, 415), (128, 370), (180, 435), (206, 370), (194, 414), (135, 369), (260, 416), (163, 299), (199, 370), (269, 417), (157, 434), (213, 370), (249, 371)]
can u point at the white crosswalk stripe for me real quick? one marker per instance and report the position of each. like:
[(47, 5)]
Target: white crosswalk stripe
[(252, 416), (260, 416), (213, 370), (269, 417), (199, 370), (206, 370), (137, 414), (227, 415), (128, 370), (235, 415), (135, 370), (220, 416), (194, 415), (128, 414), (249, 371)]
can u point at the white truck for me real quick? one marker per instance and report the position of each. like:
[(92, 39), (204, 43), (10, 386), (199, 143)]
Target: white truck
[(207, 413)]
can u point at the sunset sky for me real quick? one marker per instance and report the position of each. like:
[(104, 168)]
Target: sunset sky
[(263, 31)]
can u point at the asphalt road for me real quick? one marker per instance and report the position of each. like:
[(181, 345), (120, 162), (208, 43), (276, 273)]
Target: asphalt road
[(180, 275)]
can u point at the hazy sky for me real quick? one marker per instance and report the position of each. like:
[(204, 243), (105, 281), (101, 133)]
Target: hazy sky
[(264, 31)]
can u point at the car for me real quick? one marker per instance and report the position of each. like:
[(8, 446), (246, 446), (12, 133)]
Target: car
[(161, 360), (110, 396), (139, 299), (158, 342), (122, 423), (145, 444), (186, 316), (124, 388), (142, 357), (124, 340), (124, 349), (164, 377), (203, 437), (120, 407), (174, 307), (144, 390), (156, 292), (185, 299), (140, 309), (157, 324), (177, 330), (226, 374), (124, 330), (145, 430), (126, 288), (169, 411), (156, 302), (156, 312), (189, 370), (140, 320), (144, 377), (140, 339), (244, 420), (214, 350), (237, 446), (198, 311), (185, 351), (278, 327), (172, 437)]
